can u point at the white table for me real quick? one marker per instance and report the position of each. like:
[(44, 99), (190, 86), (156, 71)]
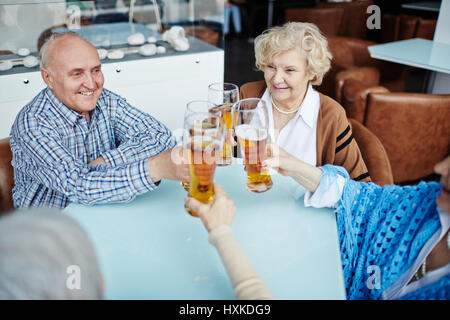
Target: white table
[(151, 248), (423, 5), (421, 53)]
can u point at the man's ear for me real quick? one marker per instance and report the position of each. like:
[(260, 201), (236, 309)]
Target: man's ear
[(47, 77)]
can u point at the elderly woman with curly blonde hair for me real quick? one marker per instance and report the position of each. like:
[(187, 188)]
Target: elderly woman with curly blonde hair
[(307, 124)]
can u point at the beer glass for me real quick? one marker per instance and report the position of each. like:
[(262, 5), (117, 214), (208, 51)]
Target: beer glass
[(202, 140), (224, 95), (198, 106), (250, 119)]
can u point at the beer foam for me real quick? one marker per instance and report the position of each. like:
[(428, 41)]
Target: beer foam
[(249, 132), (204, 142)]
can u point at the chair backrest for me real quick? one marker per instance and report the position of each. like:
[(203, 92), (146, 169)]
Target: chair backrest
[(373, 153), (328, 20), (6, 177), (354, 97), (426, 28), (355, 17), (413, 128), (404, 27)]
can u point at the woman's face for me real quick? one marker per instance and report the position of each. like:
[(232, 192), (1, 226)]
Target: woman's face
[(286, 78), (443, 199)]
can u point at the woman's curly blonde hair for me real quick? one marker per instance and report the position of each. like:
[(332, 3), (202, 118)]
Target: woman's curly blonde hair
[(306, 36)]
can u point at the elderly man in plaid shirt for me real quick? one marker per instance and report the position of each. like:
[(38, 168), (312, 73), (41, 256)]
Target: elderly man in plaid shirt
[(78, 142)]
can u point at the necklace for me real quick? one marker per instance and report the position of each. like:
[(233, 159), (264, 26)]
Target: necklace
[(282, 111), (423, 268), (448, 240)]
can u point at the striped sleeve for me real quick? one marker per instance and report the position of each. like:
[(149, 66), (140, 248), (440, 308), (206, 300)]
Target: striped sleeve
[(139, 135), (348, 155), (55, 167)]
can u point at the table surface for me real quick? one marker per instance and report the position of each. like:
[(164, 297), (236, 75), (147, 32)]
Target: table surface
[(423, 5), (150, 248), (415, 52)]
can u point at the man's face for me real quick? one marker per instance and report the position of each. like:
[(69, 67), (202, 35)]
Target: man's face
[(73, 73)]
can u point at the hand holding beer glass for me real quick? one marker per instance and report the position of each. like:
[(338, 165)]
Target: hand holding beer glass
[(251, 122), (224, 95), (202, 140)]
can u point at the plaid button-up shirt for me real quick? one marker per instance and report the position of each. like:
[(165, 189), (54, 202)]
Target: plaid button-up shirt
[(52, 145)]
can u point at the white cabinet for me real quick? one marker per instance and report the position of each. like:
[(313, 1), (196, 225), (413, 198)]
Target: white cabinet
[(158, 85)]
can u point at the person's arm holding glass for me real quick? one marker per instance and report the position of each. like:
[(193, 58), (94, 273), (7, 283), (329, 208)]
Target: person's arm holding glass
[(402, 231), (218, 216), (139, 136)]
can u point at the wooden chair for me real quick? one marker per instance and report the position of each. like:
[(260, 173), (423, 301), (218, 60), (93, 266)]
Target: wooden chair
[(6, 177)]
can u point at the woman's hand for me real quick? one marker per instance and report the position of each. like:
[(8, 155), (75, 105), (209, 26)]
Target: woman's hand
[(288, 165), (220, 211), (280, 160)]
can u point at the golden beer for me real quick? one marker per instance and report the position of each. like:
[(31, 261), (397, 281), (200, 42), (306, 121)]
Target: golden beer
[(206, 124), (253, 143), (225, 157), (202, 165)]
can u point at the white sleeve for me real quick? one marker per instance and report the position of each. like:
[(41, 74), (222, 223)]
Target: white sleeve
[(326, 195)]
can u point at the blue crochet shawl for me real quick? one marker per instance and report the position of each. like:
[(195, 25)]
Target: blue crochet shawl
[(384, 227)]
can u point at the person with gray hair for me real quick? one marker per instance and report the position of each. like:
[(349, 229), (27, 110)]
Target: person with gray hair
[(45, 254), (78, 142)]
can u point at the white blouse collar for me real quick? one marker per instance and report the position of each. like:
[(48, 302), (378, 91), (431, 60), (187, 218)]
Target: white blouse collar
[(308, 108)]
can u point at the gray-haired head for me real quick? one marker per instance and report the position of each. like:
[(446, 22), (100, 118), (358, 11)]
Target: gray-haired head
[(45, 254), (43, 53)]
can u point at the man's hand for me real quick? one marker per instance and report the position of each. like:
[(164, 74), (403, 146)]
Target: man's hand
[(99, 160), (220, 211), (163, 166)]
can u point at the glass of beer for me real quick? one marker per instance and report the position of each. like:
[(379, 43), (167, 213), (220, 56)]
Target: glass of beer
[(224, 95), (196, 106), (202, 140), (251, 122)]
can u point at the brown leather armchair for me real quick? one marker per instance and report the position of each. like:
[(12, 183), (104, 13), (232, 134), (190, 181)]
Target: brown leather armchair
[(413, 128), (404, 27), (354, 98), (350, 55), (328, 20), (354, 18), (373, 153), (6, 177), (351, 58)]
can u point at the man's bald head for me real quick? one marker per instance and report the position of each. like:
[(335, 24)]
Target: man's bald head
[(45, 54)]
